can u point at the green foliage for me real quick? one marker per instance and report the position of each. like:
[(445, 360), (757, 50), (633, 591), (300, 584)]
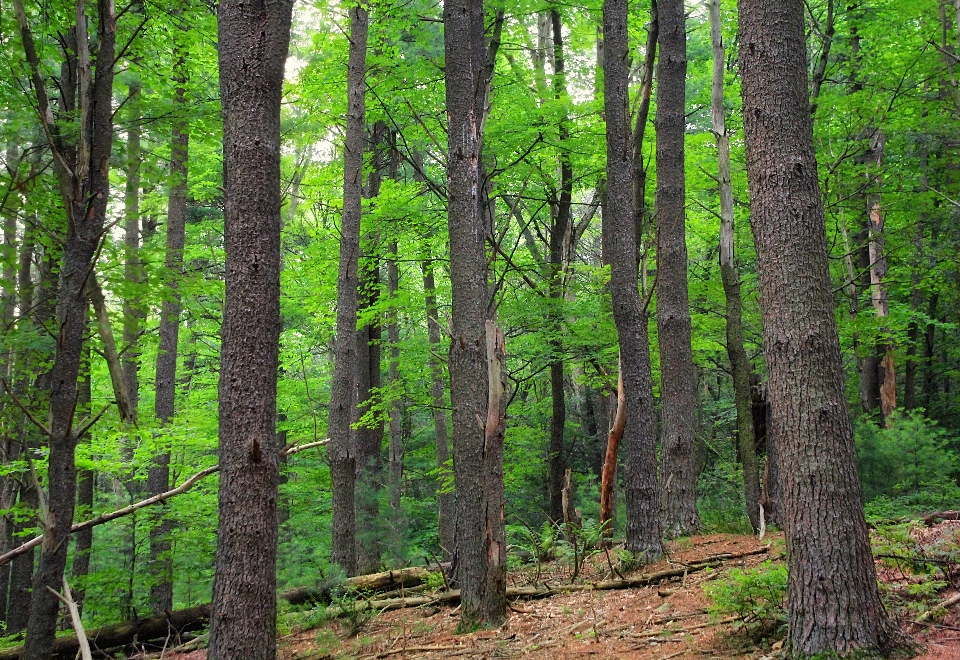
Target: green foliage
[(755, 595), (912, 463)]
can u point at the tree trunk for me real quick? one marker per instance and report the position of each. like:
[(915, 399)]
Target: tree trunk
[(678, 378), (445, 498), (643, 536), (368, 439), (343, 391), (822, 500), (84, 185), (83, 540), (395, 438), (560, 245), (480, 547), (158, 476), (253, 41), (739, 362)]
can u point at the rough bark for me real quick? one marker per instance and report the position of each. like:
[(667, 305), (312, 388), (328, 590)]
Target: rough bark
[(158, 475), (445, 498), (678, 384), (343, 392), (83, 174), (730, 276), (253, 41), (822, 501), (479, 547), (560, 243), (643, 536), (134, 313)]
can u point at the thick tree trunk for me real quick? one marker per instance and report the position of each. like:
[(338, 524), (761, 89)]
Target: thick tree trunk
[(739, 362), (643, 536), (445, 498), (678, 386), (85, 189), (343, 392), (823, 516), (158, 476), (480, 547), (253, 41)]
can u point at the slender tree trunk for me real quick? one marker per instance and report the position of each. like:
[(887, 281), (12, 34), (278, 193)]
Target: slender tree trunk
[(445, 498), (739, 362), (158, 476), (397, 526), (823, 506), (83, 540), (560, 241), (343, 393), (476, 350), (368, 439), (253, 41), (678, 386), (643, 535), (133, 316), (85, 189)]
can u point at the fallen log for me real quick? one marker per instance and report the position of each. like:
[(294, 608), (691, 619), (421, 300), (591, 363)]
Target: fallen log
[(545, 591), (121, 634), (388, 580)]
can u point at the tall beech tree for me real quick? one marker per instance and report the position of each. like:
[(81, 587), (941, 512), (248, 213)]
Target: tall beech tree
[(253, 39), (81, 161), (619, 246), (821, 494), (678, 377), (343, 393), (476, 349)]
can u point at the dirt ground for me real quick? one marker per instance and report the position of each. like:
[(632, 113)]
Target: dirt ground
[(658, 622)]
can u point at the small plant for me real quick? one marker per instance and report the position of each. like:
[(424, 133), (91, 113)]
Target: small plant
[(356, 613), (756, 596)]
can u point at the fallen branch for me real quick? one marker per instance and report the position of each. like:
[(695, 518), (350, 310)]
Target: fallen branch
[(415, 649), (119, 635), (406, 577), (543, 591), (67, 600), (676, 631), (950, 602), (127, 510)]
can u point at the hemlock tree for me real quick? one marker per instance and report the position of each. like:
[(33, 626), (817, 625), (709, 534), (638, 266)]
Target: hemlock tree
[(476, 348), (822, 502), (254, 36), (619, 231), (678, 378)]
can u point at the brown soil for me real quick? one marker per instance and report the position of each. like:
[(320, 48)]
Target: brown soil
[(660, 622)]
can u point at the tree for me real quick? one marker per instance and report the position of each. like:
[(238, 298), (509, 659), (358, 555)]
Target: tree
[(476, 349), (822, 502), (730, 276), (253, 43), (678, 377), (158, 477), (343, 394), (619, 231), (81, 163)]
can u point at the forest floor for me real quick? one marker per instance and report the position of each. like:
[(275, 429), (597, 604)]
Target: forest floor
[(657, 622)]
